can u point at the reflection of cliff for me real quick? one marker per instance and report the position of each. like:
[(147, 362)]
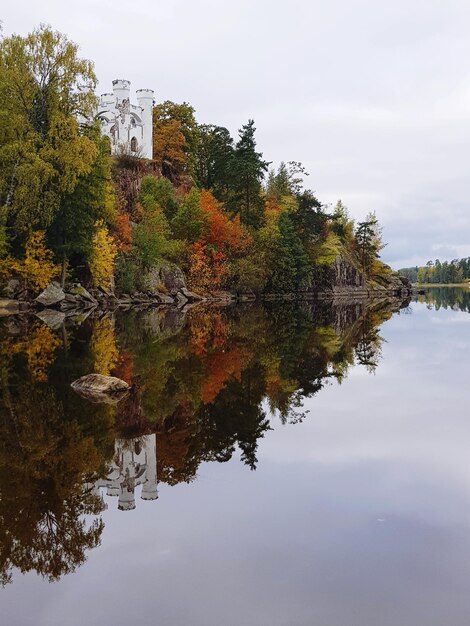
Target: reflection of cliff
[(134, 463)]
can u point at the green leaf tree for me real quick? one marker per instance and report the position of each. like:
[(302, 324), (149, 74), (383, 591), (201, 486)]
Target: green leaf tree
[(214, 157), (71, 232), (369, 242), (45, 88)]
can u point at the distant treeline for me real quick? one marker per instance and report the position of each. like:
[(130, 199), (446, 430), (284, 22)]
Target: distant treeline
[(435, 272)]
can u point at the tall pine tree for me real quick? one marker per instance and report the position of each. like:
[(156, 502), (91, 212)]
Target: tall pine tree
[(247, 173)]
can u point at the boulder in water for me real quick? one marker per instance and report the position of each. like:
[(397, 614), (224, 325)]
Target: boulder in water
[(100, 388)]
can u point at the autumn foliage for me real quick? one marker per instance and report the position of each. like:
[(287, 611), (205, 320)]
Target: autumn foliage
[(103, 256), (38, 345), (123, 233), (206, 201), (221, 241), (37, 268), (103, 346)]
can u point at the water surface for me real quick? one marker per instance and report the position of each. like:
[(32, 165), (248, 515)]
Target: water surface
[(298, 464)]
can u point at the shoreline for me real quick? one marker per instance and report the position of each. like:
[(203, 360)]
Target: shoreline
[(429, 285), (184, 299)]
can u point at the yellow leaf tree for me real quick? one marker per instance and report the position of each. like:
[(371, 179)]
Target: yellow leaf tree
[(37, 269), (102, 257)]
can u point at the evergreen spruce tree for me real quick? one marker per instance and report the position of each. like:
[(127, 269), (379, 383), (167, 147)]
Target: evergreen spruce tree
[(247, 173)]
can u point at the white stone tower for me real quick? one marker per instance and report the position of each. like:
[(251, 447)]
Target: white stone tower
[(145, 100), (128, 126)]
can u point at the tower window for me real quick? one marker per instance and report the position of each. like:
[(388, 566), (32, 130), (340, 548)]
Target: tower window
[(133, 144)]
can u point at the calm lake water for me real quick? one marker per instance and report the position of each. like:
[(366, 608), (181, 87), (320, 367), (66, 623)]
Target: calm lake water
[(295, 465)]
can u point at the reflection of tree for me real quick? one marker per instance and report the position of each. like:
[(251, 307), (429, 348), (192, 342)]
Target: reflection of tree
[(455, 298), (45, 461), (103, 345), (176, 463), (200, 382), (369, 349), (38, 344), (214, 385), (234, 418)]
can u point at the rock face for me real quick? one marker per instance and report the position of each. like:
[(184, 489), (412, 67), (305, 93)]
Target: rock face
[(345, 280), (99, 388), (51, 295), (13, 288), (227, 296), (164, 299), (165, 277), (344, 274)]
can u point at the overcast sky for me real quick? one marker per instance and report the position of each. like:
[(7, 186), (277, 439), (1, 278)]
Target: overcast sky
[(372, 96)]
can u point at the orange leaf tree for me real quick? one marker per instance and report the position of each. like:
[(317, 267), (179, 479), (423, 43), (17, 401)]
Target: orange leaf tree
[(221, 240)]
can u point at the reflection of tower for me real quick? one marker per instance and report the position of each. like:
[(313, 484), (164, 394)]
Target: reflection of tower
[(128, 468), (149, 487), (134, 464)]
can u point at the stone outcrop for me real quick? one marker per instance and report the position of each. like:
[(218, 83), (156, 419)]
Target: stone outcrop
[(100, 388), (13, 288), (190, 295), (80, 293), (164, 299), (52, 294), (345, 280), (224, 296), (343, 274), (164, 278), (127, 175)]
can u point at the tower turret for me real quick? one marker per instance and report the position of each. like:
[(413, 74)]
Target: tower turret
[(145, 98), (107, 100), (121, 89)]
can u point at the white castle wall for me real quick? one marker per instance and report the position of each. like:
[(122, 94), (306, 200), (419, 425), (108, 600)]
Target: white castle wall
[(128, 126)]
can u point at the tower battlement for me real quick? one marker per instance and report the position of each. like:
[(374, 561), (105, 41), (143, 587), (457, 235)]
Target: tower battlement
[(128, 126)]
